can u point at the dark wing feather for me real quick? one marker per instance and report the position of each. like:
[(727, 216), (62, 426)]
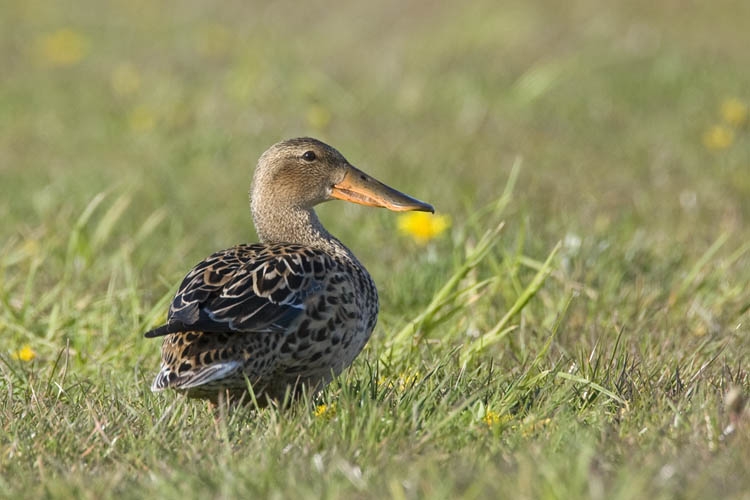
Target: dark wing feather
[(247, 288)]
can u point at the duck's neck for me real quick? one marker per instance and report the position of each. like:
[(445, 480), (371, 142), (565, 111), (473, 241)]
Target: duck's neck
[(296, 225)]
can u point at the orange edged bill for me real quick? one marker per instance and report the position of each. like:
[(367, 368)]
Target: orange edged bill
[(358, 187)]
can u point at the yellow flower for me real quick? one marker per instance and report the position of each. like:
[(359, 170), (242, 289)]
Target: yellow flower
[(492, 418), (325, 411), (531, 426), (403, 382), (64, 47), (406, 381), (318, 117), (423, 226), (734, 112), (125, 79), (25, 354), (31, 247), (142, 119), (214, 40), (718, 137)]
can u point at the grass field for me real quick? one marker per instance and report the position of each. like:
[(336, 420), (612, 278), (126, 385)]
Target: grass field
[(610, 138)]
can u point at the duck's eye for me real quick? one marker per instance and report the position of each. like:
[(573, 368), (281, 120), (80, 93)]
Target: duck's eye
[(309, 156)]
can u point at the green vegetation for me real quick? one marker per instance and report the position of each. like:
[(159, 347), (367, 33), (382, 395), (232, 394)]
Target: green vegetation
[(609, 141)]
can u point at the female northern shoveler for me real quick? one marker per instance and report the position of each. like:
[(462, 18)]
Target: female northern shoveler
[(291, 311)]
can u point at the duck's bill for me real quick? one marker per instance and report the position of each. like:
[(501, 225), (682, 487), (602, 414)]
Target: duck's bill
[(358, 187)]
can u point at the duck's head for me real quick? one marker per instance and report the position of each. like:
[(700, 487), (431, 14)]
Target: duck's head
[(301, 173)]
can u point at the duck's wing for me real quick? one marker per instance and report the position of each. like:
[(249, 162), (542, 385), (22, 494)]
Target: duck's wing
[(247, 288)]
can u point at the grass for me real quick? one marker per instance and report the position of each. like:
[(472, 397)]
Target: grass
[(574, 334)]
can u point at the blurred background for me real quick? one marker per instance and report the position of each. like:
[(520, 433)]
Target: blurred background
[(129, 131), (627, 116)]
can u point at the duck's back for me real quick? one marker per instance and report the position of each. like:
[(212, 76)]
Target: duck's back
[(277, 316)]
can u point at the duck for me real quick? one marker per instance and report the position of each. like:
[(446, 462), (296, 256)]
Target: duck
[(284, 316)]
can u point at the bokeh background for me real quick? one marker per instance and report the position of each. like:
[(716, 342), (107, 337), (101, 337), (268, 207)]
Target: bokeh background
[(615, 108), (129, 131)]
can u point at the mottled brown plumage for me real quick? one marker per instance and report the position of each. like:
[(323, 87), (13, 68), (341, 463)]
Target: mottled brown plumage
[(291, 311)]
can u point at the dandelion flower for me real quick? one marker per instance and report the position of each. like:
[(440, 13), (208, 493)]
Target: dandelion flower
[(718, 137), (423, 227), (142, 119), (402, 383), (26, 353), (406, 380), (318, 117), (64, 47), (125, 79), (491, 418), (734, 112), (532, 426), (325, 411), (214, 40)]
